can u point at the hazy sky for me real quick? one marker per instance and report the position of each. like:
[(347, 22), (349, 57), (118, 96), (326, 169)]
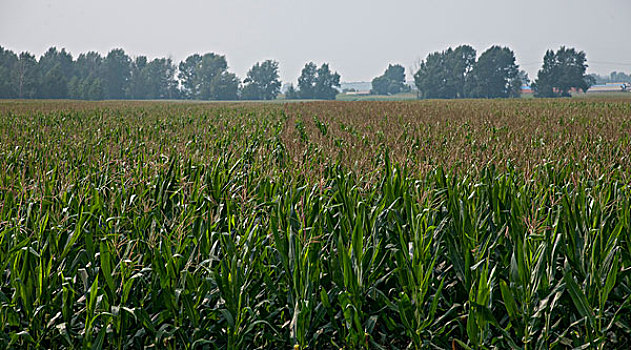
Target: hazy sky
[(357, 38)]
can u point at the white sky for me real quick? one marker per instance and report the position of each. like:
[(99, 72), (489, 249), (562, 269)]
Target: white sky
[(357, 38)]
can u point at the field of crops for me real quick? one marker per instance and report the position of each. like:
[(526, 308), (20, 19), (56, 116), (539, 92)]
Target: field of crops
[(323, 225)]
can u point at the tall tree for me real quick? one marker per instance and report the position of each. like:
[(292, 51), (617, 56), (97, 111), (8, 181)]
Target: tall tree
[(561, 72), (117, 72), (206, 77), (224, 86), (391, 82), (25, 76), (138, 84), (460, 63), (87, 82), (307, 80), (494, 75), (262, 82), (56, 69), (326, 83), (8, 62), (443, 74), (160, 78), (318, 83)]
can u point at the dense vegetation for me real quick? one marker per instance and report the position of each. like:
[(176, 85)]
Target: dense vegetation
[(450, 74), (432, 224)]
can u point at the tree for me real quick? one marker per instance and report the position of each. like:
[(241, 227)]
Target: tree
[(116, 74), (224, 86), (391, 82), (53, 83), (460, 63), (190, 76), (262, 82), (153, 80), (56, 68), (443, 74), (380, 85), (25, 76), (138, 84), (494, 75), (8, 62), (306, 81), (206, 78), (561, 72), (325, 83), (318, 83), (160, 77), (291, 93)]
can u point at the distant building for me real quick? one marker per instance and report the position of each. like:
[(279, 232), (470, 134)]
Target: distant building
[(526, 90), (358, 93), (610, 87)]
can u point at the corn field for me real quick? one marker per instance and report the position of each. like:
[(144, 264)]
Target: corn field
[(325, 225)]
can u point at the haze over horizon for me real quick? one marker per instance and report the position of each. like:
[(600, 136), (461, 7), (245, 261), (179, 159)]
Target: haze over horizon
[(357, 38)]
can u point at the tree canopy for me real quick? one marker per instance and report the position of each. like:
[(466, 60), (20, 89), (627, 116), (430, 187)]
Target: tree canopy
[(562, 71), (262, 82), (452, 73), (391, 82), (494, 75), (443, 74), (318, 83)]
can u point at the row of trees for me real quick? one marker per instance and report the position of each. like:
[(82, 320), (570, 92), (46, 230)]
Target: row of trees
[(613, 77), (117, 76), (453, 73), (456, 73)]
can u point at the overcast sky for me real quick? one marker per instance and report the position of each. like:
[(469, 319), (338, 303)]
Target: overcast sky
[(357, 38)]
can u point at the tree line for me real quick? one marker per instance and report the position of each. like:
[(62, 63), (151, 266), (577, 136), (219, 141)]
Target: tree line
[(116, 75), (456, 73), (452, 73)]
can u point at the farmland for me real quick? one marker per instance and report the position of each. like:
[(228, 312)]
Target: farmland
[(321, 225)]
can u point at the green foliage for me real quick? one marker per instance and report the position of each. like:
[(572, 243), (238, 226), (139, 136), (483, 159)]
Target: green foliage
[(443, 74), (262, 82), (315, 225), (494, 75), (562, 71), (318, 83), (391, 82), (117, 72)]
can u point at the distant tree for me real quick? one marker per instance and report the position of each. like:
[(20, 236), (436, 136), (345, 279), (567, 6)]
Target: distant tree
[(225, 86), (153, 80), (116, 74), (8, 62), (307, 80), (561, 72), (325, 83), (318, 83), (619, 77), (262, 82), (206, 78), (25, 76), (291, 93), (391, 82), (138, 84), (494, 75), (380, 85), (190, 76), (87, 82), (443, 74), (94, 90), (53, 83), (56, 69), (161, 79)]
